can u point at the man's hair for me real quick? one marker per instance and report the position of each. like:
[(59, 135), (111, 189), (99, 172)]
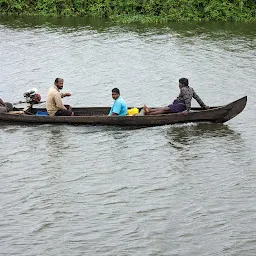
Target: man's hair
[(183, 81), (57, 80), (116, 90)]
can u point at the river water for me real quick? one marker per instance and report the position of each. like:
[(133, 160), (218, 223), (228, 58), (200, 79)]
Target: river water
[(94, 190)]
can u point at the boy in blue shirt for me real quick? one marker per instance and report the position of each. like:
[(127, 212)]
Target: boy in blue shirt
[(119, 107)]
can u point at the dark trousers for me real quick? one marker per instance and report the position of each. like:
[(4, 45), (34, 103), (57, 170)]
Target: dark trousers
[(64, 112)]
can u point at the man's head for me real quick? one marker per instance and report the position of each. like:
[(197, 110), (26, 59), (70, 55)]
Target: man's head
[(115, 93), (183, 82), (59, 83)]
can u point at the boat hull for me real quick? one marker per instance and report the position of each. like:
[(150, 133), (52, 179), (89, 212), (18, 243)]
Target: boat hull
[(98, 116)]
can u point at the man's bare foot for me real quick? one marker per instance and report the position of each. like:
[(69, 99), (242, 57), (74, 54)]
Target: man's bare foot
[(146, 109)]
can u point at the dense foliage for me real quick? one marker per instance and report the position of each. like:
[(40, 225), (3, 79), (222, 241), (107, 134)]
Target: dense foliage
[(138, 10)]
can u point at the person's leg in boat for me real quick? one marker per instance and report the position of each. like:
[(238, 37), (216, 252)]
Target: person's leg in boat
[(64, 112), (156, 111)]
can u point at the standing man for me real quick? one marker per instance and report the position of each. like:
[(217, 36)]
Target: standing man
[(119, 107), (54, 103)]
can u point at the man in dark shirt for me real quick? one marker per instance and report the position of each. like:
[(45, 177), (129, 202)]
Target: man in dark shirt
[(181, 104), (3, 107)]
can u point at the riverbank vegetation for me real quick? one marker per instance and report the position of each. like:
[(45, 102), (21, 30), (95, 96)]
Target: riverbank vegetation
[(141, 11)]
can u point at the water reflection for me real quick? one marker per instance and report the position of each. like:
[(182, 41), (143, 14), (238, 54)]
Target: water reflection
[(56, 142), (64, 23), (191, 29), (184, 135)]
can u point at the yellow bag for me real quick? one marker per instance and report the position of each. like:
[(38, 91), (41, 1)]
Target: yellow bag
[(133, 111)]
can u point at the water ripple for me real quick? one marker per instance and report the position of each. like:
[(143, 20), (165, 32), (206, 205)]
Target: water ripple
[(185, 189)]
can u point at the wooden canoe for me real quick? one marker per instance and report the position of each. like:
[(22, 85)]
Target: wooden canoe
[(99, 116)]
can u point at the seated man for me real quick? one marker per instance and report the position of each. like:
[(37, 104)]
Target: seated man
[(5, 106), (119, 107), (181, 104), (54, 103)]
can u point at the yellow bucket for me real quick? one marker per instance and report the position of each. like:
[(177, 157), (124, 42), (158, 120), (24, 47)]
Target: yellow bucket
[(133, 111)]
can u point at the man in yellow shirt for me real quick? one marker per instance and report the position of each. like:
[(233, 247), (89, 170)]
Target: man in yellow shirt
[(54, 104)]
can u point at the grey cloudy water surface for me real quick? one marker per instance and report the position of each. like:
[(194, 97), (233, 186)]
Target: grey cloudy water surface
[(94, 190)]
